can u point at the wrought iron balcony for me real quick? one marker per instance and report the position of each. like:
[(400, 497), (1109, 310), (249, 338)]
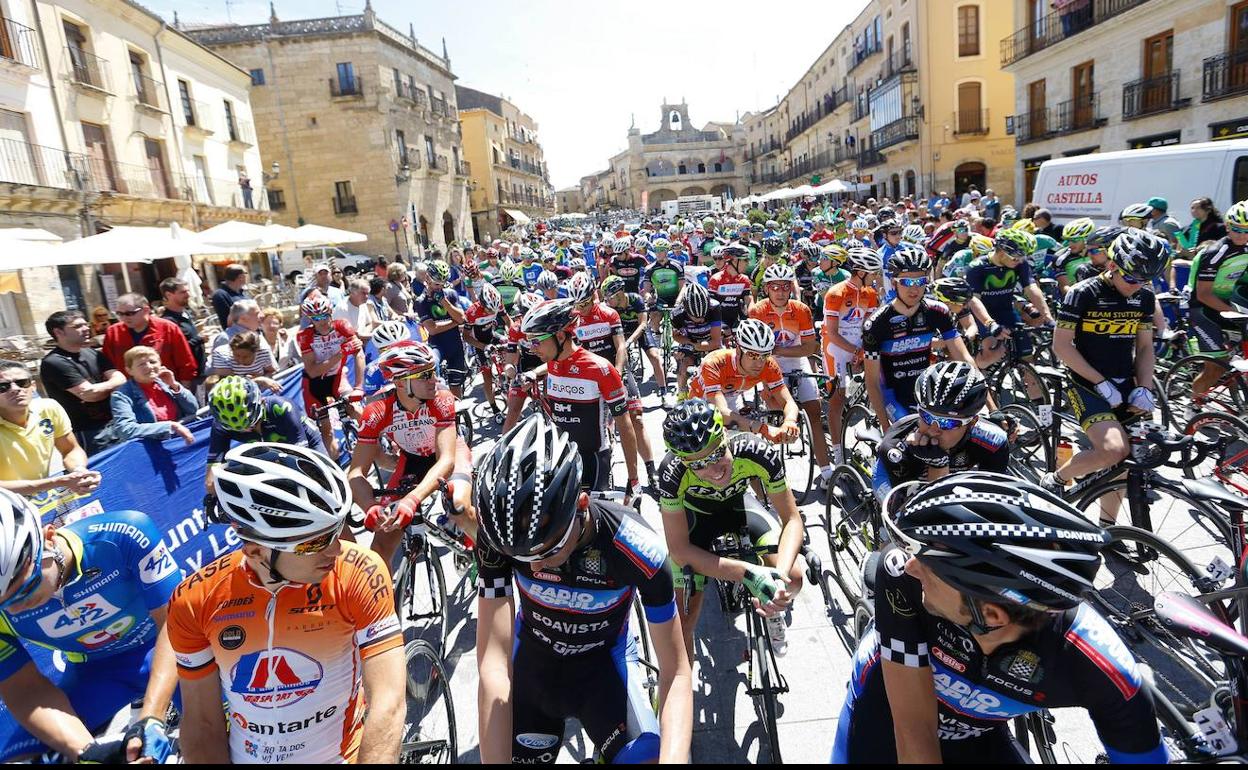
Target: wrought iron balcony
[(1225, 75), (32, 164), (353, 86), (1150, 96), (18, 43), (970, 122), (1080, 114), (149, 93), (1053, 28), (87, 69), (901, 130)]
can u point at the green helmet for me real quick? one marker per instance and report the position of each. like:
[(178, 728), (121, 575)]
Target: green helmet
[(509, 272), (1016, 243), (692, 426), (236, 403), (612, 284), (439, 271), (1078, 230)]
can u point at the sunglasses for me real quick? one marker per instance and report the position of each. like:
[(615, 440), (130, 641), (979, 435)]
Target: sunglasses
[(709, 460), (32, 583), (130, 313), (317, 544), (943, 422), (421, 376), (21, 384), (1238, 230), (912, 283), (554, 549), (533, 342), (1096, 250), (1129, 280), (320, 317)]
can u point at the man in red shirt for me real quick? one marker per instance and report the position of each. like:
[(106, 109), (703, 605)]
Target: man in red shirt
[(139, 327)]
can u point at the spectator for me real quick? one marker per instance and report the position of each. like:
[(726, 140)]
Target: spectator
[(139, 327), (377, 298), (100, 319), (938, 204), (968, 196), (399, 291), (357, 310), (380, 269), (247, 356), (78, 378), (177, 297), (244, 186), (244, 317), (991, 205), (1043, 220), (1029, 211), (152, 402), (231, 290), (30, 429), (321, 281), (1207, 224), (282, 344), (1161, 222)]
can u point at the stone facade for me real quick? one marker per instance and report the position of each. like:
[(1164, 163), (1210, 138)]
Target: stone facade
[(363, 120), (509, 173), (569, 201)]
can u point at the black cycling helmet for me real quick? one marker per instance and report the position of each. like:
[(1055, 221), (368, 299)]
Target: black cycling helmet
[(955, 290), (692, 427), (951, 388), (1140, 255), (736, 251), (908, 260), (551, 316), (773, 246), (1103, 236), (1000, 539), (527, 489)]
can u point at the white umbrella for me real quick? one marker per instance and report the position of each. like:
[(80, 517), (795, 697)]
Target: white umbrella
[(26, 247), (238, 236), (134, 244), (309, 236), (828, 188)]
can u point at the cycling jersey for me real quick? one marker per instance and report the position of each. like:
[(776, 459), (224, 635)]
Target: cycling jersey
[(719, 373), (850, 305), (450, 343), (100, 625), (629, 267), (484, 326), (280, 421), (630, 314), (596, 329), (699, 331), (289, 656), (958, 263), (732, 290), (984, 447), (1106, 324), (793, 325), (574, 655), (664, 278), (515, 343), (1067, 264), (1077, 660), (585, 391), (414, 433), (530, 273), (340, 339), (1222, 264), (509, 292), (995, 286), (903, 346)]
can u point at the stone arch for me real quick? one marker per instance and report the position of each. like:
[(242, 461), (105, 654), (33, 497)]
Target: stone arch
[(723, 189), (717, 166), (687, 166), (695, 190), (660, 196), (448, 228), (969, 173)]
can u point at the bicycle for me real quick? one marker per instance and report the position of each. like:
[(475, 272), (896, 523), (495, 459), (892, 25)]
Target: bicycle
[(430, 709), (347, 423)]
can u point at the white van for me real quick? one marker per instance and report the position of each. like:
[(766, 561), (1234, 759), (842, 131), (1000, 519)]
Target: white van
[(1102, 184)]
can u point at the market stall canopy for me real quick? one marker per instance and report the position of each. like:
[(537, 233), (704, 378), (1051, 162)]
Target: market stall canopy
[(310, 236), (238, 236), (519, 217), (133, 244), (27, 235), (776, 195), (20, 248)]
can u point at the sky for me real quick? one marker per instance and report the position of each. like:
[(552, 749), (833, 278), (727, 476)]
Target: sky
[(585, 70)]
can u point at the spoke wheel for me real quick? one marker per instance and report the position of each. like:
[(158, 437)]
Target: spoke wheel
[(429, 728)]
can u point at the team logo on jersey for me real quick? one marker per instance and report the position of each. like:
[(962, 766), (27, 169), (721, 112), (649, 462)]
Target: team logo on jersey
[(591, 562), (232, 637), (157, 565), (641, 546), (104, 637), (275, 678), (91, 611), (1024, 665)]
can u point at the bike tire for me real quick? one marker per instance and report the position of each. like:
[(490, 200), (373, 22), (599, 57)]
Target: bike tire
[(1030, 453), (1228, 394), (765, 699), (421, 594), (430, 709), (1232, 462), (850, 518), (1009, 385), (857, 416)]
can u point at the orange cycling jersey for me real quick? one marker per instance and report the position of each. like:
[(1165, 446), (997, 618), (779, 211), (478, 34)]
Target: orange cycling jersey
[(793, 325), (719, 373), (290, 660)]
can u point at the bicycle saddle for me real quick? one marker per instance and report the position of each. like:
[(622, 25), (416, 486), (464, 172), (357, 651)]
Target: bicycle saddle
[(871, 435), (1188, 617), (1205, 489)]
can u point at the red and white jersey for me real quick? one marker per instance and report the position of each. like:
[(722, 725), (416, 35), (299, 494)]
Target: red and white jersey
[(416, 432), (596, 329), (341, 337), (585, 392)]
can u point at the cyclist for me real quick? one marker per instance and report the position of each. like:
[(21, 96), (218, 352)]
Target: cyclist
[(956, 294), (485, 324), (600, 331), (899, 337), (804, 263), (994, 280), (661, 281), (632, 311), (845, 307), (510, 284), (627, 264), (442, 318), (729, 286), (725, 374), (955, 239), (529, 269), (1104, 337), (325, 344), (947, 435), (978, 619), (584, 392), (1074, 254), (704, 492), (418, 419), (791, 322), (310, 634), (569, 653), (1218, 267), (977, 247), (242, 413), (828, 273), (111, 576), (385, 335), (697, 329), (772, 252)]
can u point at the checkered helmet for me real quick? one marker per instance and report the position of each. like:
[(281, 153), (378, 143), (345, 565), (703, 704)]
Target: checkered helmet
[(527, 489), (1000, 539)]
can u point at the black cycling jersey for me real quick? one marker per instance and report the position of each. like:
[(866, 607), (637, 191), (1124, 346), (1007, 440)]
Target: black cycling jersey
[(629, 267), (1105, 324), (985, 447), (903, 344), (1076, 660), (700, 331), (584, 604), (630, 314), (280, 422)]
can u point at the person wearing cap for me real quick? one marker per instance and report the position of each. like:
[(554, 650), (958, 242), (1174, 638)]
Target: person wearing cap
[(321, 281), (1160, 222)]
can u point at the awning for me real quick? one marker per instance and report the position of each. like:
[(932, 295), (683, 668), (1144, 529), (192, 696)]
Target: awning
[(519, 217)]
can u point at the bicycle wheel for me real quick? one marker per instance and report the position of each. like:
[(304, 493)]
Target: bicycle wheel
[(1030, 454), (1010, 385), (420, 592), (858, 419), (1138, 566), (1229, 466), (850, 519), (463, 425), (1191, 524), (1226, 395), (765, 693), (429, 729)]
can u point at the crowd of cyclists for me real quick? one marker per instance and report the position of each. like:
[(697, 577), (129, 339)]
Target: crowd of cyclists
[(748, 333)]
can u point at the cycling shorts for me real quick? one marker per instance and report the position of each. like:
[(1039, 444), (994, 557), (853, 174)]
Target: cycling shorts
[(894, 406), (1023, 344), (806, 390), (603, 690), (454, 365), (596, 470), (1089, 408), (411, 466), (1209, 330), (319, 391), (761, 523), (632, 391), (649, 340)]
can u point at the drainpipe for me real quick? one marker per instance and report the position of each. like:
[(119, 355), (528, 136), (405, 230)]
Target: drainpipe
[(173, 127)]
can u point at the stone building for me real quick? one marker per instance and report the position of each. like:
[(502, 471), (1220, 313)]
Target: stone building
[(108, 117), (510, 181), (364, 122), (680, 160), (1125, 74), (569, 201)]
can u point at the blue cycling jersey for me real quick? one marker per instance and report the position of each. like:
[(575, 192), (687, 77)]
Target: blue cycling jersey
[(280, 421)]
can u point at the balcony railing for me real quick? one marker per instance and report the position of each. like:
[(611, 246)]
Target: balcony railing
[(525, 166), (198, 116), (862, 106), (1031, 126), (525, 198), (1055, 27), (18, 43), (410, 159), (463, 168), (1225, 75), (353, 86), (870, 157), (900, 61), (439, 107), (517, 136), (149, 93), (859, 55), (411, 93), (901, 130), (345, 205), (241, 132), (438, 164), (87, 69), (1150, 96), (970, 122), (222, 192), (1080, 114), (32, 164)]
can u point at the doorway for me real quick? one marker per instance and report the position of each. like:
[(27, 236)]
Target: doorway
[(969, 174), (1083, 89)]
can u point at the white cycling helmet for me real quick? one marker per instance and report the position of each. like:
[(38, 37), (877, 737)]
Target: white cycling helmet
[(696, 300), (491, 300), (547, 281), (581, 288), (281, 496), (865, 259), (755, 336), (21, 544), (778, 272), (389, 332), (914, 234)]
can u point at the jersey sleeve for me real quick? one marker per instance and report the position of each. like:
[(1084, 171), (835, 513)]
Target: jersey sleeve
[(494, 573), (898, 602), (715, 318), (644, 551), (141, 546), (350, 340), (871, 341), (897, 463), (671, 473), (612, 317), (375, 419), (942, 320), (772, 376), (304, 340), (764, 460), (13, 655), (443, 409), (832, 300), (1072, 307), (975, 275), (192, 651), (369, 598), (1210, 261), (611, 385)]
